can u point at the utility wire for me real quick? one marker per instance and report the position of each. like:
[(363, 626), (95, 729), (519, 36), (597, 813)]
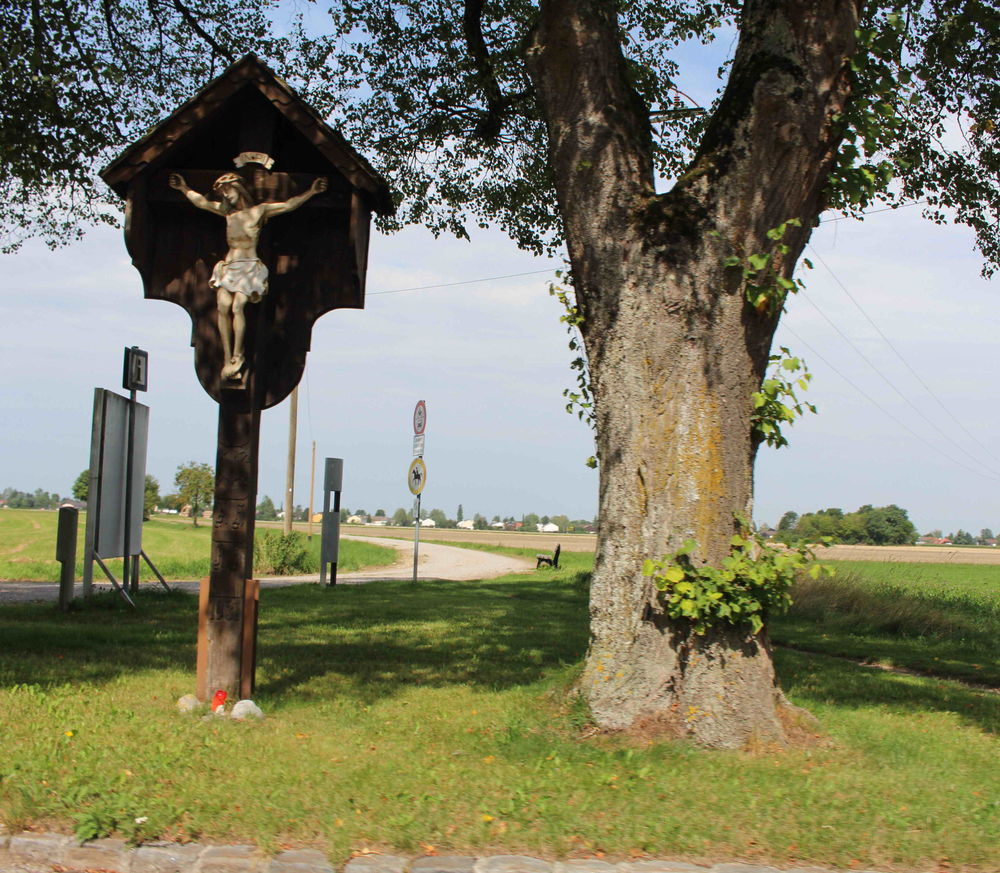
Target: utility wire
[(874, 211), (553, 269), (884, 411), (465, 282), (948, 440), (951, 415)]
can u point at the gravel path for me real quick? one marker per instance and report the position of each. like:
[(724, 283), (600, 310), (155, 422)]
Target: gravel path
[(435, 562)]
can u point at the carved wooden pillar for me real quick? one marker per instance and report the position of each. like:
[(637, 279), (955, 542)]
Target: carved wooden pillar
[(226, 628)]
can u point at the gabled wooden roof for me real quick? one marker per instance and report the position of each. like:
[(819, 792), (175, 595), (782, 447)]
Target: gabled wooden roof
[(248, 71)]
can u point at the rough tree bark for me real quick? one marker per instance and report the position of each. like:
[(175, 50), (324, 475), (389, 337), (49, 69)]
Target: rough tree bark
[(674, 348)]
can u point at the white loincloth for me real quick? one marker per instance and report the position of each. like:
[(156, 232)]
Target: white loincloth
[(242, 276)]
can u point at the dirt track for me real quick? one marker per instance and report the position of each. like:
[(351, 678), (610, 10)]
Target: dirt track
[(436, 562)]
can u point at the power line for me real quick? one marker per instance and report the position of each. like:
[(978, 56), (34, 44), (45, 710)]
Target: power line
[(951, 415), (552, 269), (875, 211), (464, 282), (884, 411), (884, 378)]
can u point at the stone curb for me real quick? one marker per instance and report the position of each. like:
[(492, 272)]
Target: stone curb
[(22, 851)]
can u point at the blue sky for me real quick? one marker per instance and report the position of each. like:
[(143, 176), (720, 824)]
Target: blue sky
[(490, 359), (911, 423)]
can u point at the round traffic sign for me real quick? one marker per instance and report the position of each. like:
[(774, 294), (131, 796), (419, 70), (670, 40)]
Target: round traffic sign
[(420, 417), (416, 478)]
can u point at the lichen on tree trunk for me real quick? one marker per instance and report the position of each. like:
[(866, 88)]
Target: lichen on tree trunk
[(675, 350)]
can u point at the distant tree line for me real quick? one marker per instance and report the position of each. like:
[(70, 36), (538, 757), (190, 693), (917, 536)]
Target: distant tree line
[(37, 499), (872, 525), (267, 511), (964, 538)]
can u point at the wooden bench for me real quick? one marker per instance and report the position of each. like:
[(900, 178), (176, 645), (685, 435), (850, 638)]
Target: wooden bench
[(549, 560)]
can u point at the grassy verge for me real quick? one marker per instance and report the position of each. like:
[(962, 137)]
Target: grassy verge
[(938, 618), (402, 717), (178, 548)]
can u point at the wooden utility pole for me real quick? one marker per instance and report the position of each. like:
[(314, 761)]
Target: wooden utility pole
[(293, 423), (312, 488)]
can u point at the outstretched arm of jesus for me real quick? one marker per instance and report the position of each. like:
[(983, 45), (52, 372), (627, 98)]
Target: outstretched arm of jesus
[(292, 203), (176, 180)]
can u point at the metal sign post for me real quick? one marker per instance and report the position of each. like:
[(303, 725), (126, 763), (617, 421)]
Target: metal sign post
[(66, 553), (417, 474), (134, 378), (329, 549)]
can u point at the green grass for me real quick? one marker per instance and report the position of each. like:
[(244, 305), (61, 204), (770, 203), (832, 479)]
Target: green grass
[(178, 548), (401, 716), (938, 618)]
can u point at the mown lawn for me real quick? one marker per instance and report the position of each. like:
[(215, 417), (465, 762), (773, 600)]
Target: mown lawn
[(405, 716), (178, 548)]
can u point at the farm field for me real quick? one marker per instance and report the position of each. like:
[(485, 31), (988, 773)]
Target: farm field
[(179, 549), (406, 717), (936, 618), (588, 542)]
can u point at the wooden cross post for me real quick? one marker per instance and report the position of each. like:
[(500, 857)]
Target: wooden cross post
[(247, 210)]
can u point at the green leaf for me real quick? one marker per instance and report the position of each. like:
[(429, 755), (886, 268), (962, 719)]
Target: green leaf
[(672, 574)]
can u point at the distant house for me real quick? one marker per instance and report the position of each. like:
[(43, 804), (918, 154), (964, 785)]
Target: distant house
[(355, 519), (380, 520), (428, 522), (547, 528), (767, 532), (467, 524), (499, 525), (933, 541)]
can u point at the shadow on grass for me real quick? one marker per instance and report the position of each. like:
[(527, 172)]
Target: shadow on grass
[(950, 634), (372, 641), (97, 640), (364, 641), (812, 679)]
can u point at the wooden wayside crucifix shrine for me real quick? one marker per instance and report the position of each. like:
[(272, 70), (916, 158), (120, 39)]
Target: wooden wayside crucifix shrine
[(246, 209)]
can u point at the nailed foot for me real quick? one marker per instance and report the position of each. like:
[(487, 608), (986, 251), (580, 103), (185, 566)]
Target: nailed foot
[(233, 369)]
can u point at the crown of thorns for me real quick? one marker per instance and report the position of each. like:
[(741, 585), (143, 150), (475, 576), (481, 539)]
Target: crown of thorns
[(227, 179)]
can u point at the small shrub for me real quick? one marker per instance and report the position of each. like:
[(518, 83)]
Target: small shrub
[(278, 554)]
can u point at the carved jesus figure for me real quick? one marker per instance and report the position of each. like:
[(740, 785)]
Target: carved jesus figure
[(241, 276)]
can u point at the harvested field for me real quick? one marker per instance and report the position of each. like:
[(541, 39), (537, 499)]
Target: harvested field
[(912, 554), (588, 542), (544, 542)]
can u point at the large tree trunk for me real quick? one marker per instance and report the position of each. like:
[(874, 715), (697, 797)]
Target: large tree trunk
[(674, 348)]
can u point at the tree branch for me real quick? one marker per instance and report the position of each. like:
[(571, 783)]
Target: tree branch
[(195, 25), (489, 126)]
